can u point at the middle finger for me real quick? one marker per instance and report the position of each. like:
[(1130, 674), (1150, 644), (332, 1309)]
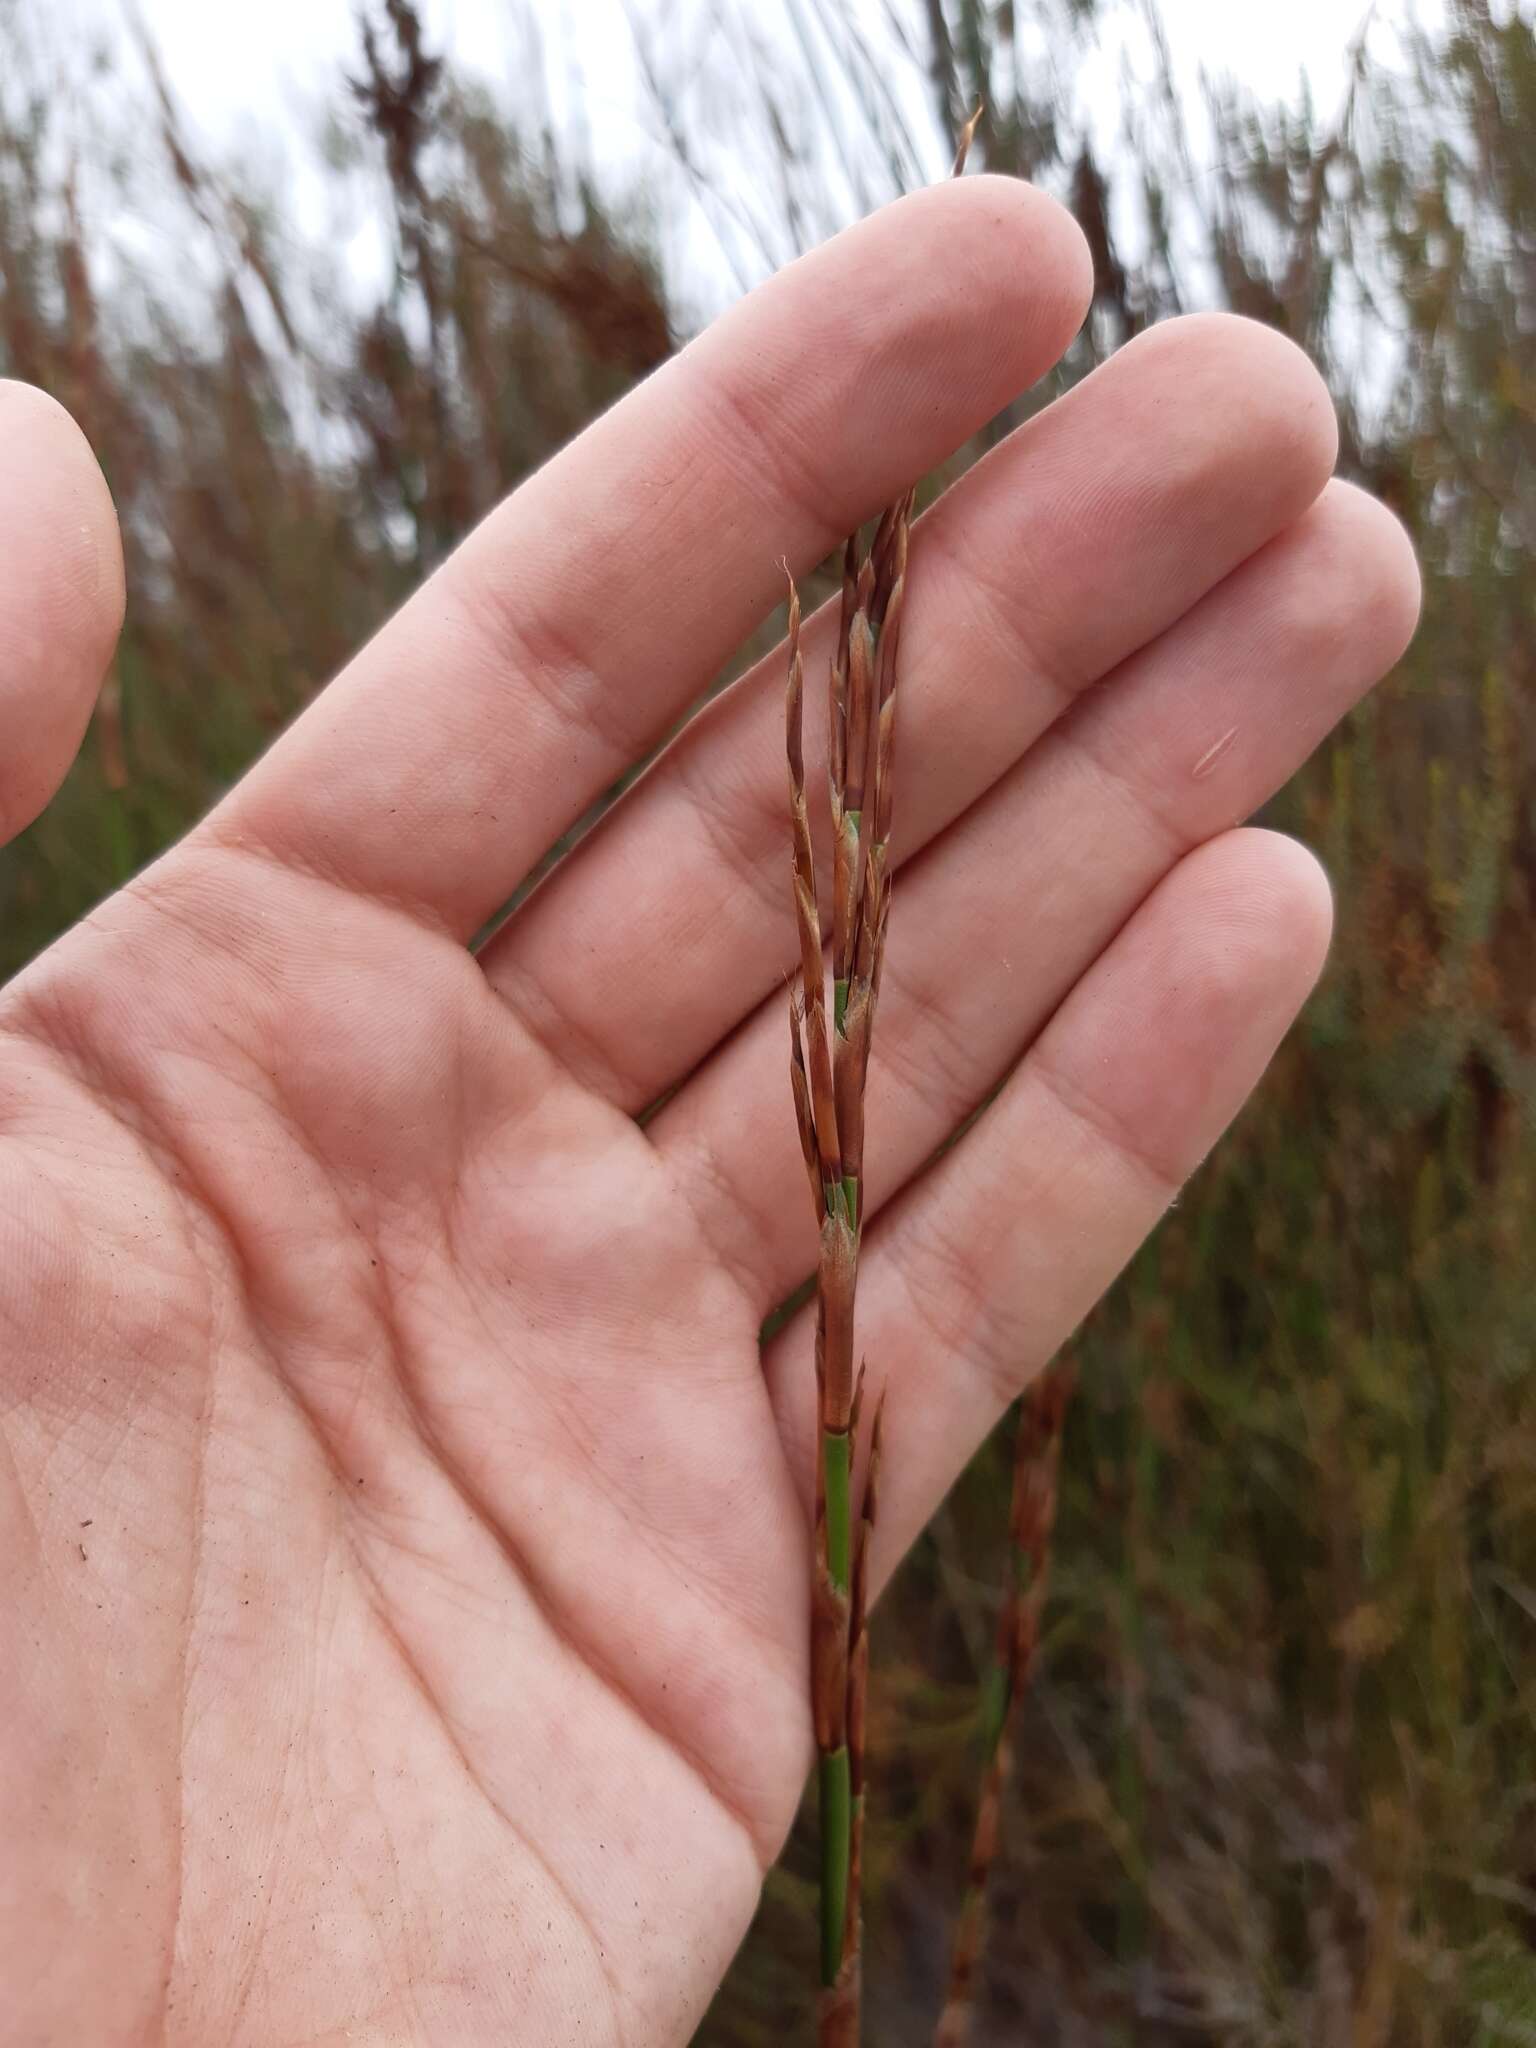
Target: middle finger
[(1087, 534), (1000, 918)]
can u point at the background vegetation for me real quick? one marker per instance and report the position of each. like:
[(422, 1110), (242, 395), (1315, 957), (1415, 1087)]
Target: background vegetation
[(1277, 1778)]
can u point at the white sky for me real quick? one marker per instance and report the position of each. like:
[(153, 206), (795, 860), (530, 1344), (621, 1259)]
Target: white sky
[(233, 64), (254, 78)]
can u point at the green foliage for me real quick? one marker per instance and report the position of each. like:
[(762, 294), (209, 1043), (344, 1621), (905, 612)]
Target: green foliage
[(288, 458), (1275, 1784), (1275, 1781)]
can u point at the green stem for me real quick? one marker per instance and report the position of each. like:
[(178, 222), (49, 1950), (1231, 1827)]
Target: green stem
[(837, 1449), (836, 1783), (836, 1843), (995, 1696)]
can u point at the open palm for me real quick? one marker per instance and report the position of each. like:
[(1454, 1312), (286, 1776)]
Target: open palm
[(403, 1635)]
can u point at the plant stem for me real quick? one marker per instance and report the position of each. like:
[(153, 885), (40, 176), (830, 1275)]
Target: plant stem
[(836, 1857), (858, 1686), (1032, 1517), (829, 1064), (829, 1068)]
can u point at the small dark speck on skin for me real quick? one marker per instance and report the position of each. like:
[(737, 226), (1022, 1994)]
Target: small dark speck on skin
[(83, 1558), (87, 1523)]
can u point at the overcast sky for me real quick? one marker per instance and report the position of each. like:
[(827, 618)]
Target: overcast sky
[(253, 78), (231, 62)]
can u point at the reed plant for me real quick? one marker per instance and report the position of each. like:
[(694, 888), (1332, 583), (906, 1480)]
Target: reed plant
[(829, 1065), (1031, 1523), (829, 1069)]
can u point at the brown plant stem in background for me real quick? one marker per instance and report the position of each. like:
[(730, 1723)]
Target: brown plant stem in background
[(967, 137), (1032, 1517)]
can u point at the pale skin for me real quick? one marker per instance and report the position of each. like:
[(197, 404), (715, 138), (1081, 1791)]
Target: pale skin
[(403, 1633)]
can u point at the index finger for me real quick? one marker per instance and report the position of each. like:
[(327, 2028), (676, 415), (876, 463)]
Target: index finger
[(577, 623)]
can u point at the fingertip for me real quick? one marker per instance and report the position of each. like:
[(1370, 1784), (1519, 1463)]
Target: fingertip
[(61, 596), (1173, 1028), (1032, 239), (1386, 585), (1296, 889), (1017, 258), (1239, 370), (73, 498), (1183, 1011), (945, 305)]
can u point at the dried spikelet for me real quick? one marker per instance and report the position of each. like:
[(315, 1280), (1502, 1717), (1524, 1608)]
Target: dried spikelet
[(813, 984)]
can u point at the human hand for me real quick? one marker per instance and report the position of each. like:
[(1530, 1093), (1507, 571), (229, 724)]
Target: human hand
[(404, 1633)]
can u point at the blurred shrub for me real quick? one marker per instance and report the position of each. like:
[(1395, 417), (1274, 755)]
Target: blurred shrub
[(289, 453)]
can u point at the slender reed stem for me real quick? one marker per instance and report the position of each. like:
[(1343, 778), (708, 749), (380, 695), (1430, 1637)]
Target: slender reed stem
[(858, 1694), (829, 1064), (1032, 1517), (829, 1068)]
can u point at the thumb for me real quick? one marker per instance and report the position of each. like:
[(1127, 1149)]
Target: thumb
[(61, 597)]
